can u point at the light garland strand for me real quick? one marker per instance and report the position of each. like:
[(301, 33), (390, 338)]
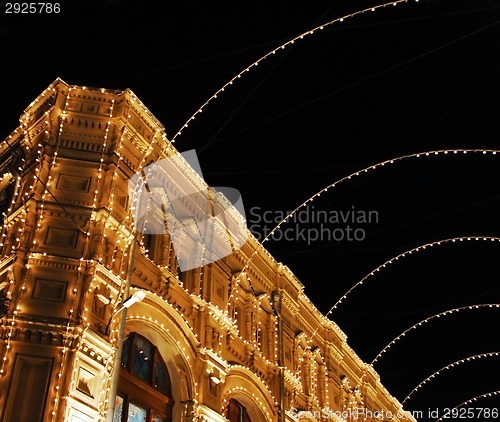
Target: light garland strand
[(402, 255), (446, 367), (472, 400), (409, 252), (429, 319), (420, 323), (432, 153), (283, 46), (100, 169)]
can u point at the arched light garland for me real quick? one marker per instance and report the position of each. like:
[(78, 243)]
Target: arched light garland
[(432, 153), (318, 195), (277, 50), (472, 400), (402, 255), (445, 368), (420, 323), (407, 253), (429, 319)]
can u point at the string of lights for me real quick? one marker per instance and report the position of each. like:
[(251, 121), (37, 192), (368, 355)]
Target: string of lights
[(351, 176), (447, 367), (419, 324), (451, 152), (407, 253), (193, 301), (429, 319), (396, 258), (491, 413), (277, 50), (316, 195)]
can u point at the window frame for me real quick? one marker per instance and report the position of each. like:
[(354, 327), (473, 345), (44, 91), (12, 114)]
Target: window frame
[(134, 390)]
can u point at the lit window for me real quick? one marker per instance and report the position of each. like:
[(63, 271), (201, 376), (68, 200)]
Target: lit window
[(144, 390)]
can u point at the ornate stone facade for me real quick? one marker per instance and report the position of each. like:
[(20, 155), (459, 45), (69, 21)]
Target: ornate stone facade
[(67, 237)]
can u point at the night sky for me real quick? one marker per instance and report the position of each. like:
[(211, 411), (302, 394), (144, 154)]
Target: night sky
[(405, 79)]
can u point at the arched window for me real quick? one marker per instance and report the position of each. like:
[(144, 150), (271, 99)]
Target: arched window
[(144, 389), (236, 412)]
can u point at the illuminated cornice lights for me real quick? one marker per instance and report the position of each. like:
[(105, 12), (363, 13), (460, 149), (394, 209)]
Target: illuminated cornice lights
[(429, 319), (449, 366), (278, 49), (492, 413)]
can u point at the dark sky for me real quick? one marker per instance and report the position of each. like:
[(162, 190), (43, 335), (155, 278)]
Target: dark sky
[(405, 79)]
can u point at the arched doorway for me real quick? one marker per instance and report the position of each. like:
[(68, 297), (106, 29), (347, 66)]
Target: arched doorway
[(144, 387), (236, 412)]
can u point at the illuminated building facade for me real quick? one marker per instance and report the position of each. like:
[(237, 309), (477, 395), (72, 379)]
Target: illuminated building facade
[(203, 345)]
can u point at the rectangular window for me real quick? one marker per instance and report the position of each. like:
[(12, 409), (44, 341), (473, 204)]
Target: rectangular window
[(136, 413), (117, 414)]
